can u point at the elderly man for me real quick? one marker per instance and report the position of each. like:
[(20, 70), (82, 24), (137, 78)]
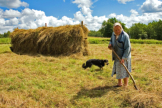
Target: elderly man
[(121, 44)]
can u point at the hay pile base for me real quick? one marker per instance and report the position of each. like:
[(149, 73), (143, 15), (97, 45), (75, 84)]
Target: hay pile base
[(63, 40)]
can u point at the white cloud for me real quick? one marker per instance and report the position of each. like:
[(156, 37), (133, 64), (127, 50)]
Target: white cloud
[(94, 23), (124, 1), (136, 18), (28, 15), (13, 3), (11, 14), (85, 15), (112, 15), (27, 11), (12, 22), (152, 6), (86, 11), (134, 12), (67, 20), (2, 21), (81, 3), (6, 28), (1, 13), (99, 19), (85, 6), (79, 16), (31, 18), (64, 0)]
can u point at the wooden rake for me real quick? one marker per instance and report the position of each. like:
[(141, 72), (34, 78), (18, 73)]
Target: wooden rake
[(125, 69)]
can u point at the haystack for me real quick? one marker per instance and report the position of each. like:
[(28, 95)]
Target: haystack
[(63, 40)]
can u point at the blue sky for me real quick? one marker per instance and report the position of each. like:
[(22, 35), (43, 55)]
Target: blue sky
[(30, 14)]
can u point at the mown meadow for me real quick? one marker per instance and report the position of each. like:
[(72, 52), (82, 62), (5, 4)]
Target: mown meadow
[(60, 82)]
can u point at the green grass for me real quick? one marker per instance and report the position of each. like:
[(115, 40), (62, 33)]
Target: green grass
[(5, 40), (97, 40), (145, 41), (47, 81), (93, 40)]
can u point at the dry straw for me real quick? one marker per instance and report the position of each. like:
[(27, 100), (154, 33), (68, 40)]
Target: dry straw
[(128, 98), (63, 40)]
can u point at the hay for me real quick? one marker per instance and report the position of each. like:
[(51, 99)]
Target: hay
[(63, 40), (140, 99)]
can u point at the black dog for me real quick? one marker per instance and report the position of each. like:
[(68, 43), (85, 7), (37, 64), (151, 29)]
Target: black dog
[(97, 62)]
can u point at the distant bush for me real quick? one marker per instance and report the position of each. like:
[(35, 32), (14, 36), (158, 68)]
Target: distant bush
[(5, 35), (95, 33), (147, 41)]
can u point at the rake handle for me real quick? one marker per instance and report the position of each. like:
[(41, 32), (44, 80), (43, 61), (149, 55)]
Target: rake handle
[(125, 69)]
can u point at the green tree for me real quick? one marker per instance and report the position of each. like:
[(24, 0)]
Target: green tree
[(158, 30), (107, 27), (95, 33), (113, 20), (150, 29), (143, 35), (1, 35), (103, 27), (137, 30), (7, 34), (108, 30)]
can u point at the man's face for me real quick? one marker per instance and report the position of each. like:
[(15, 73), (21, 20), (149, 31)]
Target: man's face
[(117, 30)]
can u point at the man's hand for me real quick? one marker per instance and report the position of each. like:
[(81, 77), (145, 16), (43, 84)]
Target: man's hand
[(109, 47), (122, 61)]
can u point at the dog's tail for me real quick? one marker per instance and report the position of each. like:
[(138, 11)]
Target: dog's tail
[(84, 66)]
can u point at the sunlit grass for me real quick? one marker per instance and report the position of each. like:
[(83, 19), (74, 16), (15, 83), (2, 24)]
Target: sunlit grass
[(46, 81), (5, 40)]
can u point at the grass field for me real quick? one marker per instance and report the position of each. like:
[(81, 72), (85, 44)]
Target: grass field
[(102, 40), (60, 82), (5, 40)]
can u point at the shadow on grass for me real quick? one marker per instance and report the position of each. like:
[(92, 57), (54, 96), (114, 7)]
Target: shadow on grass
[(98, 70), (93, 93), (95, 70)]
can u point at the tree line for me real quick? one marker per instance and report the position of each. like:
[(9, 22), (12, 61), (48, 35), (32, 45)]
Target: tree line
[(152, 30), (5, 35)]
